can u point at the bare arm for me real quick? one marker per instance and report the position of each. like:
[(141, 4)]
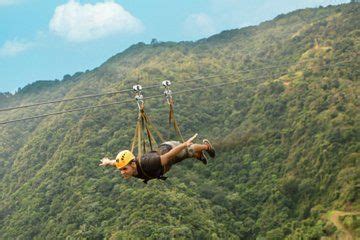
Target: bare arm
[(173, 152), (107, 162)]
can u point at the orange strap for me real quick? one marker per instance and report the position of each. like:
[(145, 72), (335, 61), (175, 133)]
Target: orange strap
[(172, 117), (144, 126)]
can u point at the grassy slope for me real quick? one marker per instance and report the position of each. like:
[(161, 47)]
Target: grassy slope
[(344, 232)]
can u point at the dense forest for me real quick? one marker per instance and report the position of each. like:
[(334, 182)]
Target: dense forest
[(285, 127)]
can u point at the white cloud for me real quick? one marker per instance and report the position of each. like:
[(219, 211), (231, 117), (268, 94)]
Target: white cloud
[(14, 47), (199, 25), (8, 2), (83, 22)]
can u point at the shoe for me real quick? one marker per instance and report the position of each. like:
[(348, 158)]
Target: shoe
[(204, 157), (211, 150)]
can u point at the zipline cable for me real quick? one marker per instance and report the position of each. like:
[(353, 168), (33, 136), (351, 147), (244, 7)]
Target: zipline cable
[(154, 96), (153, 86), (71, 99), (125, 101)]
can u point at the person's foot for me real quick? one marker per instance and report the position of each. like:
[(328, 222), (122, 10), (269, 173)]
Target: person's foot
[(203, 158), (210, 150)]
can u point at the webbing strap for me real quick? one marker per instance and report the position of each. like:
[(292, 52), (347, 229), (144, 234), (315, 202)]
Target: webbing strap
[(144, 127), (139, 139), (142, 135), (135, 137), (152, 126), (172, 117), (148, 132)]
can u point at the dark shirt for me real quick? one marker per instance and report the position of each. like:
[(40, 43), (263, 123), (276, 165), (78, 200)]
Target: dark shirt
[(149, 167)]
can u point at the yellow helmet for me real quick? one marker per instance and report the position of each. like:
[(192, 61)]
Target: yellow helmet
[(123, 158)]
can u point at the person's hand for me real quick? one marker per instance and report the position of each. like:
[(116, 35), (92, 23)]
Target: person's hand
[(189, 141), (105, 162)]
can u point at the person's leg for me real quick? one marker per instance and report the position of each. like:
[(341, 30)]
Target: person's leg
[(197, 149), (193, 151), (199, 152), (203, 151)]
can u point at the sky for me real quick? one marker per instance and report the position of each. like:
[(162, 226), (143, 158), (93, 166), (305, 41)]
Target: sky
[(45, 40)]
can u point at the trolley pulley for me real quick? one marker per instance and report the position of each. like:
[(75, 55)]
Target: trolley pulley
[(139, 96), (168, 92)]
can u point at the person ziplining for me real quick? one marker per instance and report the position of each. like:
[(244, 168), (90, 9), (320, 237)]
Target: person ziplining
[(156, 162)]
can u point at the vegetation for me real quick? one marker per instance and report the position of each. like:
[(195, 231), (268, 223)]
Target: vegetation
[(287, 141)]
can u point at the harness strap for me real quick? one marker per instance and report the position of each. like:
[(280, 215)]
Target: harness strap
[(142, 134), (172, 117), (151, 126), (139, 139), (144, 126), (151, 139), (135, 137)]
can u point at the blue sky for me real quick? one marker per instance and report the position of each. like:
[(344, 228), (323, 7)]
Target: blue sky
[(44, 40)]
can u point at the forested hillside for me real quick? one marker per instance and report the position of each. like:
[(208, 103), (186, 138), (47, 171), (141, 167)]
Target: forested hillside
[(287, 137)]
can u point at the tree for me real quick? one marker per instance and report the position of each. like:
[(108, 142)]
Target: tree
[(154, 41)]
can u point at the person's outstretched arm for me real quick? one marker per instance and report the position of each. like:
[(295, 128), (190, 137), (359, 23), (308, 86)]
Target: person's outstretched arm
[(175, 151), (107, 162)]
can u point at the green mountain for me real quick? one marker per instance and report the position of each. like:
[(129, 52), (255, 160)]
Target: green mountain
[(287, 137)]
